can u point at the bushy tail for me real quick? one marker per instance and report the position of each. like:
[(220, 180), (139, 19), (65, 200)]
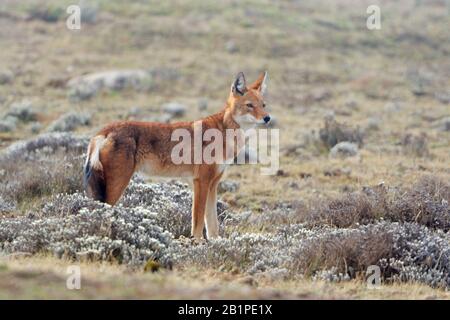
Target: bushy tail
[(94, 181)]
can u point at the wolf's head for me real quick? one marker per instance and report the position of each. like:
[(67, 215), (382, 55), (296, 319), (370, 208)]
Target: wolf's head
[(246, 103)]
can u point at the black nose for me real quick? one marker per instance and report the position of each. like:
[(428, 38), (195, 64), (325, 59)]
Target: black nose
[(266, 119)]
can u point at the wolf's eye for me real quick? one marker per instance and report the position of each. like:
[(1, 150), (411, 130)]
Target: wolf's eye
[(264, 104), (249, 105)]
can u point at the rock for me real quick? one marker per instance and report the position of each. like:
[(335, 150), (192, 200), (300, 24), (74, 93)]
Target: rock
[(228, 186), (87, 86), (373, 124), (69, 122), (202, 104), (419, 90), (329, 116), (164, 74), (442, 124), (175, 109), (6, 76), (231, 47), (165, 118), (344, 149), (443, 97), (134, 112)]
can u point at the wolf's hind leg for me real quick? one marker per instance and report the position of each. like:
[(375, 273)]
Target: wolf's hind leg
[(118, 170)]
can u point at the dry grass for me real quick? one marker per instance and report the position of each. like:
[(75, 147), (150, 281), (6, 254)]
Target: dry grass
[(425, 202), (44, 277)]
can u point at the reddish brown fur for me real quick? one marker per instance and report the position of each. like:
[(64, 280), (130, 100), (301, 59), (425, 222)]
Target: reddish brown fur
[(128, 146)]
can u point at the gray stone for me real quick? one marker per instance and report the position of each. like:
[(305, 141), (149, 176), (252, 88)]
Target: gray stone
[(175, 109), (87, 86), (373, 124), (443, 97), (202, 104), (231, 47), (344, 149), (442, 124), (228, 186), (6, 76)]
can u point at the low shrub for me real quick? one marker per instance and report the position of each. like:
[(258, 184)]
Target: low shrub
[(69, 122), (42, 166), (334, 132), (425, 202)]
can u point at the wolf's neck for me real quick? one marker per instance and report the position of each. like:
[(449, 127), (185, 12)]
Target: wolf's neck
[(228, 120), (223, 120)]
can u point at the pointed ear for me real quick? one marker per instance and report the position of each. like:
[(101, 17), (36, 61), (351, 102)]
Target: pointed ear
[(261, 83), (238, 87)]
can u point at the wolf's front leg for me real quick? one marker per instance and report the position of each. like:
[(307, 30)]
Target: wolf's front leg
[(201, 189), (212, 223)]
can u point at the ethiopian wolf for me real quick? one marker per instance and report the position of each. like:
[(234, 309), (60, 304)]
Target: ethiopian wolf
[(122, 148)]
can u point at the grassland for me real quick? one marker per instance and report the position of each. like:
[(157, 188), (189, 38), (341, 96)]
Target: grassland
[(322, 61)]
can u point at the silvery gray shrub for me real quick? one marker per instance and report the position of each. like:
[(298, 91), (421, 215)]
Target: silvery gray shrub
[(335, 241), (69, 122)]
